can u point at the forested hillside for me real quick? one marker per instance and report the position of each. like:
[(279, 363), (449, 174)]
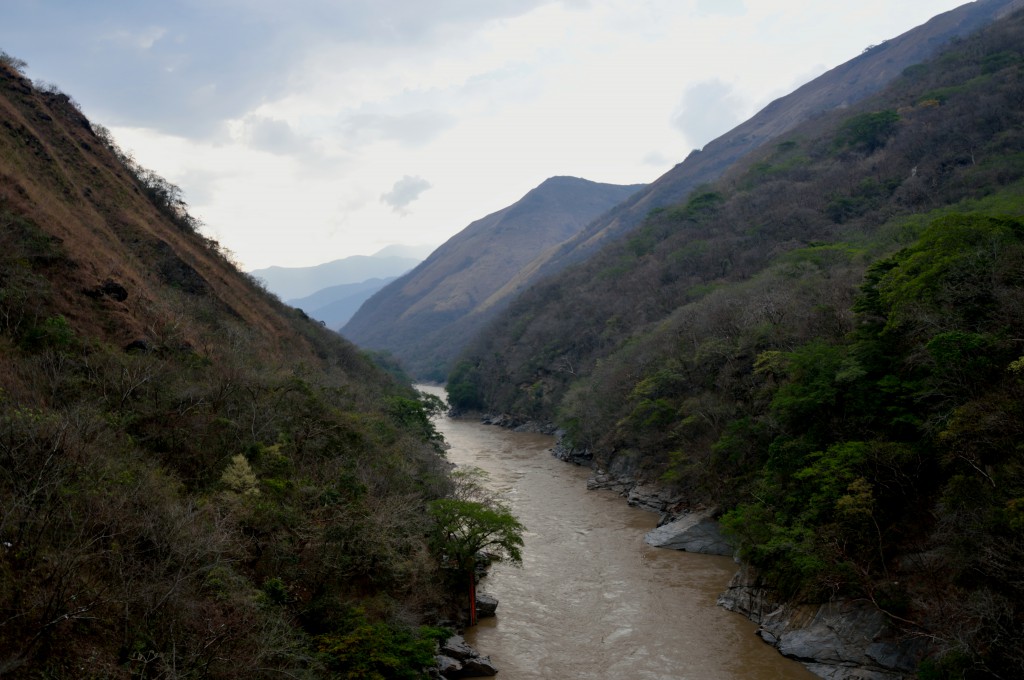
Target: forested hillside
[(827, 344), (195, 479)]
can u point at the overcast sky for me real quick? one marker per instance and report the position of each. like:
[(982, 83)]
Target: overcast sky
[(309, 130)]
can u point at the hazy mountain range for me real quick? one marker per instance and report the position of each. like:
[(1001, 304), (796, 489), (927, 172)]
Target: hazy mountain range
[(292, 283)]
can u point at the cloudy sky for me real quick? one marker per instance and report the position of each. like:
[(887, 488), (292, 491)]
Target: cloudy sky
[(309, 130)]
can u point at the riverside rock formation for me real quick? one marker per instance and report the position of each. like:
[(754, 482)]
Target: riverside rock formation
[(696, 532), (838, 640), (457, 659)]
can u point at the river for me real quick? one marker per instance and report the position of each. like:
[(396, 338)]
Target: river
[(591, 599)]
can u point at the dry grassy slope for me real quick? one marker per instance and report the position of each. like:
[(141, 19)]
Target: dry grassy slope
[(56, 173)]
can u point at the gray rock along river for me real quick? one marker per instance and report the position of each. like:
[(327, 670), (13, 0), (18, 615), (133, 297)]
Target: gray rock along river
[(591, 600)]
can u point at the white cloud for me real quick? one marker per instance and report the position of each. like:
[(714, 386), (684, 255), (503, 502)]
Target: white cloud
[(139, 39), (727, 7), (404, 192), (415, 128), (707, 110), (272, 135)]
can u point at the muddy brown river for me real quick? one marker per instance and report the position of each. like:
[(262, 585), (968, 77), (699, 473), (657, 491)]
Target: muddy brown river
[(591, 600)]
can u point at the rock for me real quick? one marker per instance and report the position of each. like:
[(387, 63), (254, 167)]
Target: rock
[(114, 290), (694, 532), (139, 345), (603, 480), (486, 605), (651, 497), (569, 454), (849, 673), (456, 659), (457, 648), (447, 666), (477, 667), (838, 640)]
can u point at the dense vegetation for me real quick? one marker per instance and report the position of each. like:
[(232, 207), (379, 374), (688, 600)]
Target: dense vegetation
[(195, 480), (826, 345)]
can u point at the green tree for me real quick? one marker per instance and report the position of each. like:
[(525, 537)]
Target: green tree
[(463, 393), (464, 529), (869, 132)]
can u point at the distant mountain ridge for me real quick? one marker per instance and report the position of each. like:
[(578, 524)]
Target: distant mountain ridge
[(425, 316), (335, 305), (298, 282)]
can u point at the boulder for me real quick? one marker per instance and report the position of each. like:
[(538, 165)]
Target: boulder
[(457, 648), (477, 667), (457, 659), (486, 605), (694, 532), (114, 290), (651, 497), (447, 666)]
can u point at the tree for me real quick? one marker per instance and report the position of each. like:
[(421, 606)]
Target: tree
[(464, 529)]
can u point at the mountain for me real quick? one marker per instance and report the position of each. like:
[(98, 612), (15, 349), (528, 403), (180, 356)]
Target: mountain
[(840, 87), (822, 349), (418, 253), (195, 479), (424, 317), (335, 305), (299, 282)]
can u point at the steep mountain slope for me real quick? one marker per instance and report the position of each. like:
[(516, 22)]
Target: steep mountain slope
[(424, 317), (840, 87), (335, 305), (195, 480), (298, 282), (825, 346)]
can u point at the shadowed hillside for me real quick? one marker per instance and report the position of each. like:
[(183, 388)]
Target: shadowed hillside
[(424, 317)]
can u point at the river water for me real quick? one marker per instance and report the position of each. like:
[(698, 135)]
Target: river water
[(591, 600)]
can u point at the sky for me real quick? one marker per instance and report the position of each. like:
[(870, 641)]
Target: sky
[(306, 131)]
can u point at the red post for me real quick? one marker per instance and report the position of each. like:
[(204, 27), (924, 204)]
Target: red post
[(472, 597)]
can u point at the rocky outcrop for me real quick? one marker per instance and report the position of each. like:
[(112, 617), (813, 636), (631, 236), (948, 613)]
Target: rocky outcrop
[(639, 494), (456, 659), (515, 424), (693, 532), (838, 640), (571, 454)]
